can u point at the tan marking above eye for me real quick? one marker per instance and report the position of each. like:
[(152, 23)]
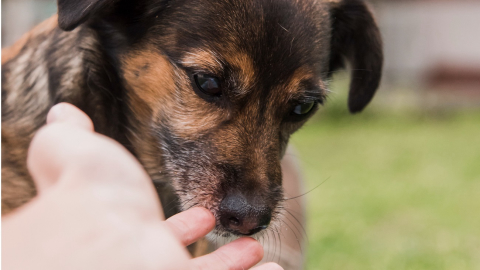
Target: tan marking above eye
[(202, 59), (301, 74), (293, 88), (243, 63)]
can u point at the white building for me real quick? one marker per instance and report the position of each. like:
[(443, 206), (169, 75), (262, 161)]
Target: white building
[(430, 39)]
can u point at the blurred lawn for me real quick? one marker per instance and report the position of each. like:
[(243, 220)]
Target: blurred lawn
[(403, 188)]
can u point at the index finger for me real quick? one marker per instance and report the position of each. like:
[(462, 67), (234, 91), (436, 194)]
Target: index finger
[(191, 225)]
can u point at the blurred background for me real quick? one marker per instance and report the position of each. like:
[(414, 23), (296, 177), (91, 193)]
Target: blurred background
[(399, 183)]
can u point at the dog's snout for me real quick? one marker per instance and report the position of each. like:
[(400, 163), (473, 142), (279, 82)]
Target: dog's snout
[(244, 217)]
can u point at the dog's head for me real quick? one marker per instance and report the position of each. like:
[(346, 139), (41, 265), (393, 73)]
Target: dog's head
[(216, 88)]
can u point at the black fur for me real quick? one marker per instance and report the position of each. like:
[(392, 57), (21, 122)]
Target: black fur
[(73, 13), (279, 37), (355, 36)]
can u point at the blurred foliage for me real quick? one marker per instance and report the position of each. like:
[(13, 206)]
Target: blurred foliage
[(402, 188)]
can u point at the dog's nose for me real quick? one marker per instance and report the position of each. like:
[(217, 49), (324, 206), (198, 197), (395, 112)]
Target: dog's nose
[(240, 216)]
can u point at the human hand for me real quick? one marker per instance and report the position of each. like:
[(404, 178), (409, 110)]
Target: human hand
[(96, 209)]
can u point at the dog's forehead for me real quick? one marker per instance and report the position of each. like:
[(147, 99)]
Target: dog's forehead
[(270, 40)]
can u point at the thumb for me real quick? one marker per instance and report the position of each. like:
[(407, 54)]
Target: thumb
[(42, 161), (67, 113), (67, 150)]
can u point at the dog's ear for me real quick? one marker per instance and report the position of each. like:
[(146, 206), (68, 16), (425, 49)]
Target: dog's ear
[(356, 38), (72, 13)]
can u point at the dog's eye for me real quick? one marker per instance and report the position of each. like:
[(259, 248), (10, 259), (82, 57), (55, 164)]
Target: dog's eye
[(303, 108), (208, 84)]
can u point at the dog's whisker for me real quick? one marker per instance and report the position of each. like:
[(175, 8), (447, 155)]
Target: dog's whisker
[(289, 202), (275, 244), (278, 243), (269, 244), (285, 219), (280, 240), (274, 234), (296, 237), (302, 232), (296, 197)]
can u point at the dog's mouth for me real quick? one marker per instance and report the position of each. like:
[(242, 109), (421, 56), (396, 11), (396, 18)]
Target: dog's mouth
[(237, 231), (220, 230), (237, 227), (236, 216)]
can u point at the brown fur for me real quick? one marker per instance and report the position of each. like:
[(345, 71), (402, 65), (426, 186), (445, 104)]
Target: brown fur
[(131, 67), (244, 63), (18, 128)]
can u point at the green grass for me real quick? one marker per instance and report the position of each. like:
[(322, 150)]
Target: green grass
[(403, 189)]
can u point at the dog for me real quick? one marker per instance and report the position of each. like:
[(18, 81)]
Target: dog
[(205, 93)]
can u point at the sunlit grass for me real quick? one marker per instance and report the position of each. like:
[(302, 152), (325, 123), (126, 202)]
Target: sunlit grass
[(403, 190)]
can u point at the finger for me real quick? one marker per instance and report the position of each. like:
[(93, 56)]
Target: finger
[(42, 167), (268, 266), (238, 255), (65, 112), (62, 147), (191, 225)]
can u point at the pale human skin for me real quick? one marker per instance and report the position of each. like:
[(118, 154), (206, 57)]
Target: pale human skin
[(97, 209)]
